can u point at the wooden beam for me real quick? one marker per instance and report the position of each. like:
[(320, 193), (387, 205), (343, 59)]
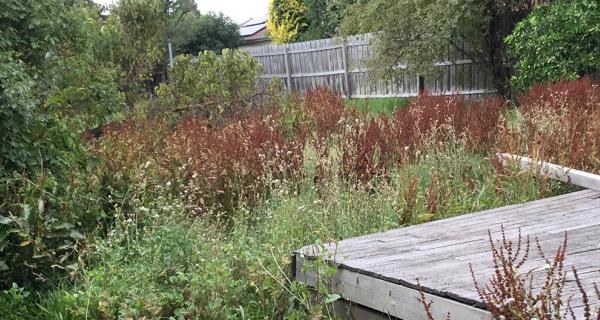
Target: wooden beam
[(288, 69), (554, 171), (303, 50), (389, 298), (347, 88), (317, 74)]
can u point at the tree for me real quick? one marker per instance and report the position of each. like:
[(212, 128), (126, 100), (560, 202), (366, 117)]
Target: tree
[(287, 20), (558, 41), (208, 82), (303, 20), (419, 32), (213, 32), (30, 28), (323, 18), (137, 42), (176, 12), (84, 89), (44, 206)]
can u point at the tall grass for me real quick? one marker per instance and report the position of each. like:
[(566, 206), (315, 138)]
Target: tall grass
[(206, 214)]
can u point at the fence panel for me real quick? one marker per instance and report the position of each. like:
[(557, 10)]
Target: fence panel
[(340, 64)]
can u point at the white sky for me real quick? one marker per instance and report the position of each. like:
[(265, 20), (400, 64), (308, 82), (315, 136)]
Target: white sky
[(238, 10)]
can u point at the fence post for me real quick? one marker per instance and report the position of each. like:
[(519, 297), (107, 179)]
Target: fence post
[(288, 68), (420, 84), (347, 89)]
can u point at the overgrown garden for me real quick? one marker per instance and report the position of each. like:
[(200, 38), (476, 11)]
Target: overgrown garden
[(124, 196)]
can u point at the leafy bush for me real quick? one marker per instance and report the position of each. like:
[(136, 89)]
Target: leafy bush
[(48, 201), (87, 94), (17, 104), (557, 41), (213, 32), (42, 225), (210, 83), (287, 20), (82, 86), (16, 304), (29, 29)]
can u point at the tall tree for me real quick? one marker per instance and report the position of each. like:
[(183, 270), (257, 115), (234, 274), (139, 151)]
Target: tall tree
[(175, 13), (419, 32), (323, 18), (303, 20), (287, 20), (559, 41), (212, 32)]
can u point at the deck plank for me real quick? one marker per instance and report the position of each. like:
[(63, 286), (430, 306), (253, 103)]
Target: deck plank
[(438, 253)]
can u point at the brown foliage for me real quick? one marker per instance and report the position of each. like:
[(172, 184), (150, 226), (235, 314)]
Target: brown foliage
[(216, 166), (560, 125), (510, 294), (476, 120), (368, 148), (371, 145), (229, 162)]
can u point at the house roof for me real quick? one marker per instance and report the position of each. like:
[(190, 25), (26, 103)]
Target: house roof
[(253, 26)]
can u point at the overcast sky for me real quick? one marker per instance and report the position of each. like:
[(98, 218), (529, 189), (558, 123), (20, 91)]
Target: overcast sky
[(238, 10)]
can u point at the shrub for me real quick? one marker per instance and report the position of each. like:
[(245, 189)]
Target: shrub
[(43, 220), (176, 267), (86, 92), (16, 304), (47, 202), (557, 41), (17, 104), (210, 83)]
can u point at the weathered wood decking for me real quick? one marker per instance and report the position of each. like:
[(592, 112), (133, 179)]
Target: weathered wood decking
[(379, 271)]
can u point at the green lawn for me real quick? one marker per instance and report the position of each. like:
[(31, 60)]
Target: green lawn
[(378, 105)]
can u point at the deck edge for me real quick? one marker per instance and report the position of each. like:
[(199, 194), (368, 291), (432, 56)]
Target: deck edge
[(393, 298)]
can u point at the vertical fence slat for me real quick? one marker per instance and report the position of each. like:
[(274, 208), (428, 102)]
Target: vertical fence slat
[(339, 63), (345, 66), (288, 69)]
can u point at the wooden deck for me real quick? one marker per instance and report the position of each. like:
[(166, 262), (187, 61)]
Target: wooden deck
[(379, 271)]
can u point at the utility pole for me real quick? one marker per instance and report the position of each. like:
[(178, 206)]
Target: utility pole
[(170, 51)]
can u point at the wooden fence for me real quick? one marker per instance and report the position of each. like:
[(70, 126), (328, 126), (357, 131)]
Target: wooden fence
[(340, 65)]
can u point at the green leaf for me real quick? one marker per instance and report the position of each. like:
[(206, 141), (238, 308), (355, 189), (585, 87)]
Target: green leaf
[(76, 235), (330, 298), (26, 212), (5, 220), (426, 217)]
